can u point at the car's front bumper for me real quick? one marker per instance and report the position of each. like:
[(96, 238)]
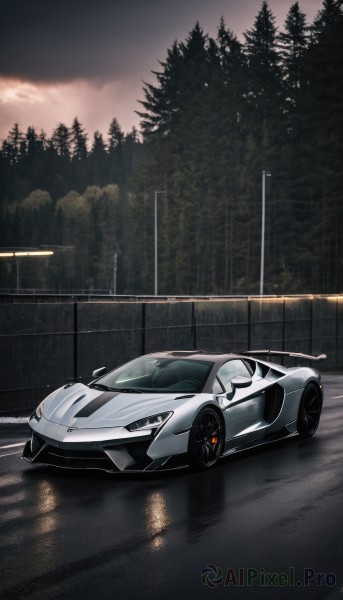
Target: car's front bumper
[(108, 449)]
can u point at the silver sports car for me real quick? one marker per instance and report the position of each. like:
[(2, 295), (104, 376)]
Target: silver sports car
[(171, 409)]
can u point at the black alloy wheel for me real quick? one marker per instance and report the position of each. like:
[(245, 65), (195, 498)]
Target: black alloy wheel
[(206, 439), (309, 410)]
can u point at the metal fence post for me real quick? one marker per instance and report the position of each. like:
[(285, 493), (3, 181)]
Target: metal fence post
[(75, 340), (194, 327), (249, 324), (143, 327)]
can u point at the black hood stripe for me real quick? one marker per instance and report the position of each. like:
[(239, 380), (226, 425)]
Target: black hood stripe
[(95, 404)]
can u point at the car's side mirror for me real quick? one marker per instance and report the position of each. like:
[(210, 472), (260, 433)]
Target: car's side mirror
[(99, 372), (239, 381)]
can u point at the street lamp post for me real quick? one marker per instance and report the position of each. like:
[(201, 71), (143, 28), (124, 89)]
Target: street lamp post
[(264, 175), (18, 276), (115, 266), (156, 240)]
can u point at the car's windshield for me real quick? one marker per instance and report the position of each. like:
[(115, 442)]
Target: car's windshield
[(148, 374)]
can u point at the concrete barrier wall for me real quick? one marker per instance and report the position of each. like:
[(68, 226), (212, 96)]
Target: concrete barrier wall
[(44, 345)]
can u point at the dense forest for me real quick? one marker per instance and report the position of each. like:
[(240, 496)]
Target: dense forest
[(218, 113)]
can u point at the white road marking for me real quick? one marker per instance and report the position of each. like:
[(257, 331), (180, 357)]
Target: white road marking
[(10, 454), (13, 445), (336, 397)]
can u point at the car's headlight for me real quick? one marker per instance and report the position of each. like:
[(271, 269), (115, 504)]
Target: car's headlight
[(153, 422), (38, 413)]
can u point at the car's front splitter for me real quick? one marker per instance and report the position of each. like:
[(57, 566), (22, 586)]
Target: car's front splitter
[(111, 456)]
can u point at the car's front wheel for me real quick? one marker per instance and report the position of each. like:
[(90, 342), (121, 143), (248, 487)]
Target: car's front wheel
[(309, 410), (206, 439)]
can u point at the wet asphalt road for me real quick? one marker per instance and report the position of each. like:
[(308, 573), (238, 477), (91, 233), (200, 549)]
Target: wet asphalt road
[(95, 536)]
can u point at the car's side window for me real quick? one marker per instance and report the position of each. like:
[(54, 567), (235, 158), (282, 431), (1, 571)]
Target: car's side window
[(231, 369)]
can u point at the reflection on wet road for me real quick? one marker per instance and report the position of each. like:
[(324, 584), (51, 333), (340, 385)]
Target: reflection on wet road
[(92, 535)]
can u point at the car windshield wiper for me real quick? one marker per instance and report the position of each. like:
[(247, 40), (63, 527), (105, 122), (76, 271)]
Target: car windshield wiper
[(101, 386)]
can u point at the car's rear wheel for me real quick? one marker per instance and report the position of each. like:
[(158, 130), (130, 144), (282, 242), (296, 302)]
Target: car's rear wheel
[(206, 439), (309, 410)]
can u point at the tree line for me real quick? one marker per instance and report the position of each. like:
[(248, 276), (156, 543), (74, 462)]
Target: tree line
[(219, 113)]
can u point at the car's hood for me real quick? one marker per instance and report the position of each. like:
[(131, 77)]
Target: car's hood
[(83, 407)]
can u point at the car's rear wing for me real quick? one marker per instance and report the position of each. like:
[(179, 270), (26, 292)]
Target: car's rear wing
[(281, 353)]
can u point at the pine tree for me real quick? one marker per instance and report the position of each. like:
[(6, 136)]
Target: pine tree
[(33, 141), (61, 140), (115, 136), (115, 144), (263, 73), (78, 141), (186, 74), (128, 158), (14, 143), (326, 18), (98, 160), (232, 60), (322, 155), (162, 101), (293, 43)]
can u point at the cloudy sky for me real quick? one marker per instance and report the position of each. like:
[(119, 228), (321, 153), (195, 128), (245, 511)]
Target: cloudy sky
[(87, 58)]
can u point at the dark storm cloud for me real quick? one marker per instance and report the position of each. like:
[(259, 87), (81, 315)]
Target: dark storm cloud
[(63, 40), (59, 41)]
